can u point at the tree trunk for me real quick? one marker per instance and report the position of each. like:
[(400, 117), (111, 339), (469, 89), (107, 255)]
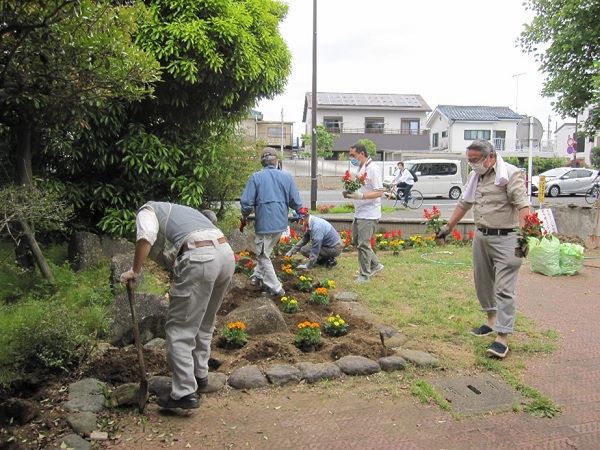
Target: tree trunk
[(23, 160), (35, 250)]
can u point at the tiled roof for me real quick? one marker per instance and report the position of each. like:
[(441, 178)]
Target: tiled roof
[(343, 99), (479, 113)]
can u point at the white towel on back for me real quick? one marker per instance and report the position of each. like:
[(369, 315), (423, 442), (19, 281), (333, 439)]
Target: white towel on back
[(501, 180)]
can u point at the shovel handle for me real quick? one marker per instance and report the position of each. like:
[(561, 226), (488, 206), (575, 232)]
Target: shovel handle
[(143, 398)]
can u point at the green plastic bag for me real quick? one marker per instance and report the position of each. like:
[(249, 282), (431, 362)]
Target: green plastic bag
[(571, 258), (544, 255)]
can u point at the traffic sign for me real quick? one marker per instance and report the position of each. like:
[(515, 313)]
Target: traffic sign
[(570, 149), (570, 142)]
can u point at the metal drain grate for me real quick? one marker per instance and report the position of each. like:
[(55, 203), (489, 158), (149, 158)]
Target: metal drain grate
[(477, 394)]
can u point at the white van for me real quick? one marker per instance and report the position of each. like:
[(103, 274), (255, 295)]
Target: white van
[(436, 177)]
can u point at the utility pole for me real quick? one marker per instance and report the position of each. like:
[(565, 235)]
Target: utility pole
[(282, 134), (517, 75), (313, 159)]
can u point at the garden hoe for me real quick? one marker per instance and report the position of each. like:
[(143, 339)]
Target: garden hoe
[(143, 396)]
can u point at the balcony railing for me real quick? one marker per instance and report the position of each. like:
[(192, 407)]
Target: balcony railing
[(368, 130), (516, 145)]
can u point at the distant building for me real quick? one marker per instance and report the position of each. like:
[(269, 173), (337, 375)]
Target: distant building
[(394, 122), (271, 132), (454, 127)]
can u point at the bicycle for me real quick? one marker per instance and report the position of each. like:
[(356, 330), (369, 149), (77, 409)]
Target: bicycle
[(591, 196), (415, 198)]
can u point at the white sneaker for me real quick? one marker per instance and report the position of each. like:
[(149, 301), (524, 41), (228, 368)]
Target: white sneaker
[(377, 269), (360, 279)]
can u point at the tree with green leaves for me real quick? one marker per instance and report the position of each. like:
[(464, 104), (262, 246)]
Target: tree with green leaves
[(565, 37), (60, 59), (219, 59), (370, 146), (324, 141), (595, 157)]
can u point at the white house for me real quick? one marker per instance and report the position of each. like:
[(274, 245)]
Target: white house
[(452, 128), (394, 122)]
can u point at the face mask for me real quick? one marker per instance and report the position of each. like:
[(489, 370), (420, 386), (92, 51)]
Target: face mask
[(479, 168), (354, 161)]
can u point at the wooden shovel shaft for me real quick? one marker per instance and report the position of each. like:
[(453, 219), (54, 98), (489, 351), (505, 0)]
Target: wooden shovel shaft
[(143, 398)]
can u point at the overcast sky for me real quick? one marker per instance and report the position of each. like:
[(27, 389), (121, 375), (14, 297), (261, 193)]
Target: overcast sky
[(461, 52)]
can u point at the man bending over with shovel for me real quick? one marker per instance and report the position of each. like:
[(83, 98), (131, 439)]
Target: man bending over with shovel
[(183, 240)]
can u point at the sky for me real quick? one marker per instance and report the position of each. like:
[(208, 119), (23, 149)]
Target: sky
[(461, 52)]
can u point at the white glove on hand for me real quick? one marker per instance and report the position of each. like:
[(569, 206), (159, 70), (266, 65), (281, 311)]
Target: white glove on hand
[(289, 254), (129, 275), (302, 266), (355, 195), (444, 231)]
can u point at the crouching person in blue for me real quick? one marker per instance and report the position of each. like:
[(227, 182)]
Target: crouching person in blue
[(326, 243), (183, 240)]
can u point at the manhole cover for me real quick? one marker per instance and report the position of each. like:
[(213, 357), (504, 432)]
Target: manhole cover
[(477, 394)]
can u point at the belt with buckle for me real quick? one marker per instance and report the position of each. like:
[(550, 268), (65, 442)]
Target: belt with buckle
[(185, 248), (496, 231)]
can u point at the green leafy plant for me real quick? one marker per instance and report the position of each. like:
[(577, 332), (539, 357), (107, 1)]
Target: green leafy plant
[(336, 325), (243, 263), (308, 334), (235, 334), (320, 296), (304, 283), (290, 305)]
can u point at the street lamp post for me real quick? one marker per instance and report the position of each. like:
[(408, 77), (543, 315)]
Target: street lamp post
[(313, 159), (282, 134)]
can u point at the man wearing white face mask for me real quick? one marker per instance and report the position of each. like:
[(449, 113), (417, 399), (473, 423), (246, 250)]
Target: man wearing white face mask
[(497, 193), (367, 212)]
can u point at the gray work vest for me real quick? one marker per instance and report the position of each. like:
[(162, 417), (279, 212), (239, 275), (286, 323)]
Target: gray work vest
[(175, 223)]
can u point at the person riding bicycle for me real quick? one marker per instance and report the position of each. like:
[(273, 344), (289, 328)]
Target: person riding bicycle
[(404, 182)]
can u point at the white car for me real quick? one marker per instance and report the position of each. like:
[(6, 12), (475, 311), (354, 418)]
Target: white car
[(564, 181), (436, 177)]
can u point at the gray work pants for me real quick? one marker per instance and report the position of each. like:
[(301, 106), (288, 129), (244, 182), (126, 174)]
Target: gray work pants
[(362, 231), (201, 278), (325, 252), (264, 266), (496, 269)]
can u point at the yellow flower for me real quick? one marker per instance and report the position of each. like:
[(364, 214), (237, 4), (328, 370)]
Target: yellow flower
[(293, 302), (302, 278), (284, 299), (337, 324), (342, 321), (331, 319)]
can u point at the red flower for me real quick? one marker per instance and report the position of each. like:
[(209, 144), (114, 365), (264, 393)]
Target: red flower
[(471, 235), (353, 184), (456, 235), (372, 241)]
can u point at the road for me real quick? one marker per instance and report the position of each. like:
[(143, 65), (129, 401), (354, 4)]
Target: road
[(445, 205)]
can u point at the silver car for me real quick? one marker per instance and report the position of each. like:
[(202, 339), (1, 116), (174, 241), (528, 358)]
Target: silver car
[(564, 181)]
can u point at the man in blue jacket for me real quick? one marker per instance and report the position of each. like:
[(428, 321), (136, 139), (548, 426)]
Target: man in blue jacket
[(270, 193), (326, 242)]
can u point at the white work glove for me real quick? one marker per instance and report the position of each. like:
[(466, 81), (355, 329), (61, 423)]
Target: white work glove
[(354, 195), (444, 231), (289, 254), (130, 275), (302, 266)]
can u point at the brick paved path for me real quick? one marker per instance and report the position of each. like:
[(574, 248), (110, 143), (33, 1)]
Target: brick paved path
[(319, 418)]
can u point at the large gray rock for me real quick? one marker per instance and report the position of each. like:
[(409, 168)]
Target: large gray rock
[(118, 265), (283, 374), (85, 250), (248, 377), (260, 315), (357, 365), (312, 373), (116, 246), (151, 312), (418, 358), (241, 242), (83, 422)]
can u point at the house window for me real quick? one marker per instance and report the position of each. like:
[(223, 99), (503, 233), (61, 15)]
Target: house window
[(409, 126), (444, 134), (275, 132), (499, 139), (471, 135), (333, 124), (435, 140), (374, 124)]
